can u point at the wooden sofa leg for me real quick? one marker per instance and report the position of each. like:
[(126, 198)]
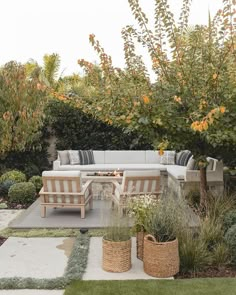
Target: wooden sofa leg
[(82, 212), (43, 211)]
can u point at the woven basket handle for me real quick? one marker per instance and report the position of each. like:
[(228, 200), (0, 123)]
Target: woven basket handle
[(151, 238)]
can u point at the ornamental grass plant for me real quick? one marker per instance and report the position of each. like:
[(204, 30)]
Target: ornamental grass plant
[(167, 218), (118, 229)]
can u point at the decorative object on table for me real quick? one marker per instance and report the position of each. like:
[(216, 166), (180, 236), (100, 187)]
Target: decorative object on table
[(161, 255), (139, 207), (116, 246)]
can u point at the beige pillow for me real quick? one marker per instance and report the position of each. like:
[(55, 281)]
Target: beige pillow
[(74, 157), (64, 157), (191, 164), (168, 158)]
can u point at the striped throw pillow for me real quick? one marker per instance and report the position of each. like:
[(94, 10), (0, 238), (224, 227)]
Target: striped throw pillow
[(183, 157), (86, 157)]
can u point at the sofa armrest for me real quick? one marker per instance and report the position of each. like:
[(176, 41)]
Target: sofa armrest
[(212, 175), (86, 186), (56, 165)]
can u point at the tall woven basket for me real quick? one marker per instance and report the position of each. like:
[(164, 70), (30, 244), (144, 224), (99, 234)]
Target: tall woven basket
[(116, 256), (160, 260), (139, 243)]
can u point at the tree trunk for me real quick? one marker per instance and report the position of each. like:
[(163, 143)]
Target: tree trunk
[(203, 188)]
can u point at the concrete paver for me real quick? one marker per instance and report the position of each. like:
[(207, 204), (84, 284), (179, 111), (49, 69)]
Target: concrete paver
[(31, 292), (7, 216), (34, 257), (94, 269)]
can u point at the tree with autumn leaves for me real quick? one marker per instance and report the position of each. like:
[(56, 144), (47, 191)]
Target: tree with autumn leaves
[(192, 102), (22, 101)]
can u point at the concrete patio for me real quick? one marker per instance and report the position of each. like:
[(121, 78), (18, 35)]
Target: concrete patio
[(98, 217)]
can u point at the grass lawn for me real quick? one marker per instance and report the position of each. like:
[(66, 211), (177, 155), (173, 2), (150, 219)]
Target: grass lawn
[(154, 287)]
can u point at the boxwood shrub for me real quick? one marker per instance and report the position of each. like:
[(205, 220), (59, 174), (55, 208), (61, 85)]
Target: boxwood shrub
[(229, 219), (22, 193), (37, 181), (4, 188), (14, 175), (230, 238)]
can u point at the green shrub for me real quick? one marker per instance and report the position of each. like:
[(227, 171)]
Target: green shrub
[(4, 188), (37, 181), (229, 219), (31, 170), (230, 238), (76, 130), (15, 175), (22, 193)]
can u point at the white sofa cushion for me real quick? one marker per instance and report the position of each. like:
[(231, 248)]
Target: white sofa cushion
[(176, 171), (153, 157), (99, 157), (70, 173), (125, 157)]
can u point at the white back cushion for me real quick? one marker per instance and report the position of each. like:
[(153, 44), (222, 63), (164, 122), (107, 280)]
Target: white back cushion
[(125, 157), (99, 157), (153, 157)]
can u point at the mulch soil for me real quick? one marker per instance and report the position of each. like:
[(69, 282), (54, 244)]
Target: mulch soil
[(226, 272), (2, 240)]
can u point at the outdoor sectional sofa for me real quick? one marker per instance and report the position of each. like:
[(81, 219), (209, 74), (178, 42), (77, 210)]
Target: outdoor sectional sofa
[(182, 178)]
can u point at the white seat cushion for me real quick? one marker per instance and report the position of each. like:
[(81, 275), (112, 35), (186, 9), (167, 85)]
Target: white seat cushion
[(62, 173), (112, 167), (177, 171)]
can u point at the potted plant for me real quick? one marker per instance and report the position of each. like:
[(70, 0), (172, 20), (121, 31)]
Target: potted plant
[(116, 246), (139, 208), (161, 254)]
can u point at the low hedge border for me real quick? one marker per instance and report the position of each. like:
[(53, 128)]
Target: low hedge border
[(75, 269)]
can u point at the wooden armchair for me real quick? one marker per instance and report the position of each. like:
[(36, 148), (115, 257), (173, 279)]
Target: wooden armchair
[(135, 183), (64, 189)]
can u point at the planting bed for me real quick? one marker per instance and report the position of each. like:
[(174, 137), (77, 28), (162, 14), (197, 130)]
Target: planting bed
[(226, 272), (2, 240)]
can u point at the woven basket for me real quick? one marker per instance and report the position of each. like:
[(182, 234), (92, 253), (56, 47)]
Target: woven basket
[(160, 260), (139, 244), (116, 256)]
